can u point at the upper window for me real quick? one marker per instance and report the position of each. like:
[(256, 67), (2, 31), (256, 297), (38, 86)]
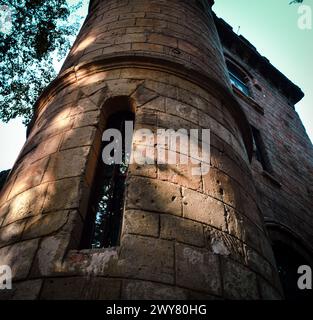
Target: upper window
[(238, 79), (106, 205), (260, 150)]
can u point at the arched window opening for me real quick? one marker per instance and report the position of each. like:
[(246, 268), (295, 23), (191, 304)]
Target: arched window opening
[(260, 150), (106, 204), (238, 79), (288, 260)]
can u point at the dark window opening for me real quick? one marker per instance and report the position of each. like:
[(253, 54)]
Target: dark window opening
[(288, 260), (260, 150), (106, 206), (238, 79)]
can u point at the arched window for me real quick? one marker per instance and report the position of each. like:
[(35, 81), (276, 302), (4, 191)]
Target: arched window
[(289, 256), (238, 79), (288, 261), (106, 205), (260, 150)]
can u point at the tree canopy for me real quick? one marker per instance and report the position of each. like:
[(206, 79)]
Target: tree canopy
[(34, 33)]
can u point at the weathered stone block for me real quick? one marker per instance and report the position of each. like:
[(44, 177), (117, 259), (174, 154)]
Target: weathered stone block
[(84, 105), (181, 230), (67, 163), (133, 38), (38, 147), (123, 87), (146, 119), (144, 290), (251, 234), (143, 95), (147, 258), (143, 170), (221, 243), (91, 118), (5, 191), (65, 194), (50, 255), (81, 288), (91, 167), (166, 121), (256, 262), (267, 291), (197, 269), (238, 281), (140, 222), (45, 224), (47, 147), (148, 47), (202, 208), (11, 233), (19, 257), (6, 295), (78, 138), (188, 47), (27, 290), (157, 104), (162, 89), (266, 249), (222, 187), (224, 161), (235, 223), (162, 39), (182, 110), (95, 262), (122, 23), (23, 205), (153, 195), (29, 177)]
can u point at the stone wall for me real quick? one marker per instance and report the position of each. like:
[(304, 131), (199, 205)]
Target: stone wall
[(285, 194), (183, 236)]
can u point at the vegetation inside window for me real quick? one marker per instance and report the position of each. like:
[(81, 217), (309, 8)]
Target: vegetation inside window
[(103, 226)]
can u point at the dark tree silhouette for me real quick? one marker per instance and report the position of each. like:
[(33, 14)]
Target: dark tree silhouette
[(296, 1), (40, 31)]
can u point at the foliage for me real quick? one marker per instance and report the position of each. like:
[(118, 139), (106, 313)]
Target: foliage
[(40, 32), (296, 1)]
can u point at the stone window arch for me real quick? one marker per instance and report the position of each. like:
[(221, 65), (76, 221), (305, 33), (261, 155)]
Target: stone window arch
[(106, 203), (290, 253)]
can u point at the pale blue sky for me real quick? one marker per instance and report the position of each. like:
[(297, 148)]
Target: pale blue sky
[(271, 26)]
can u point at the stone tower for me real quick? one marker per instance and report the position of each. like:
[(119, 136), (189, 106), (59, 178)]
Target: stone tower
[(182, 236)]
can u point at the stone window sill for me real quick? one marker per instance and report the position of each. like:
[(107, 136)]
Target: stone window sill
[(272, 179), (249, 100)]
